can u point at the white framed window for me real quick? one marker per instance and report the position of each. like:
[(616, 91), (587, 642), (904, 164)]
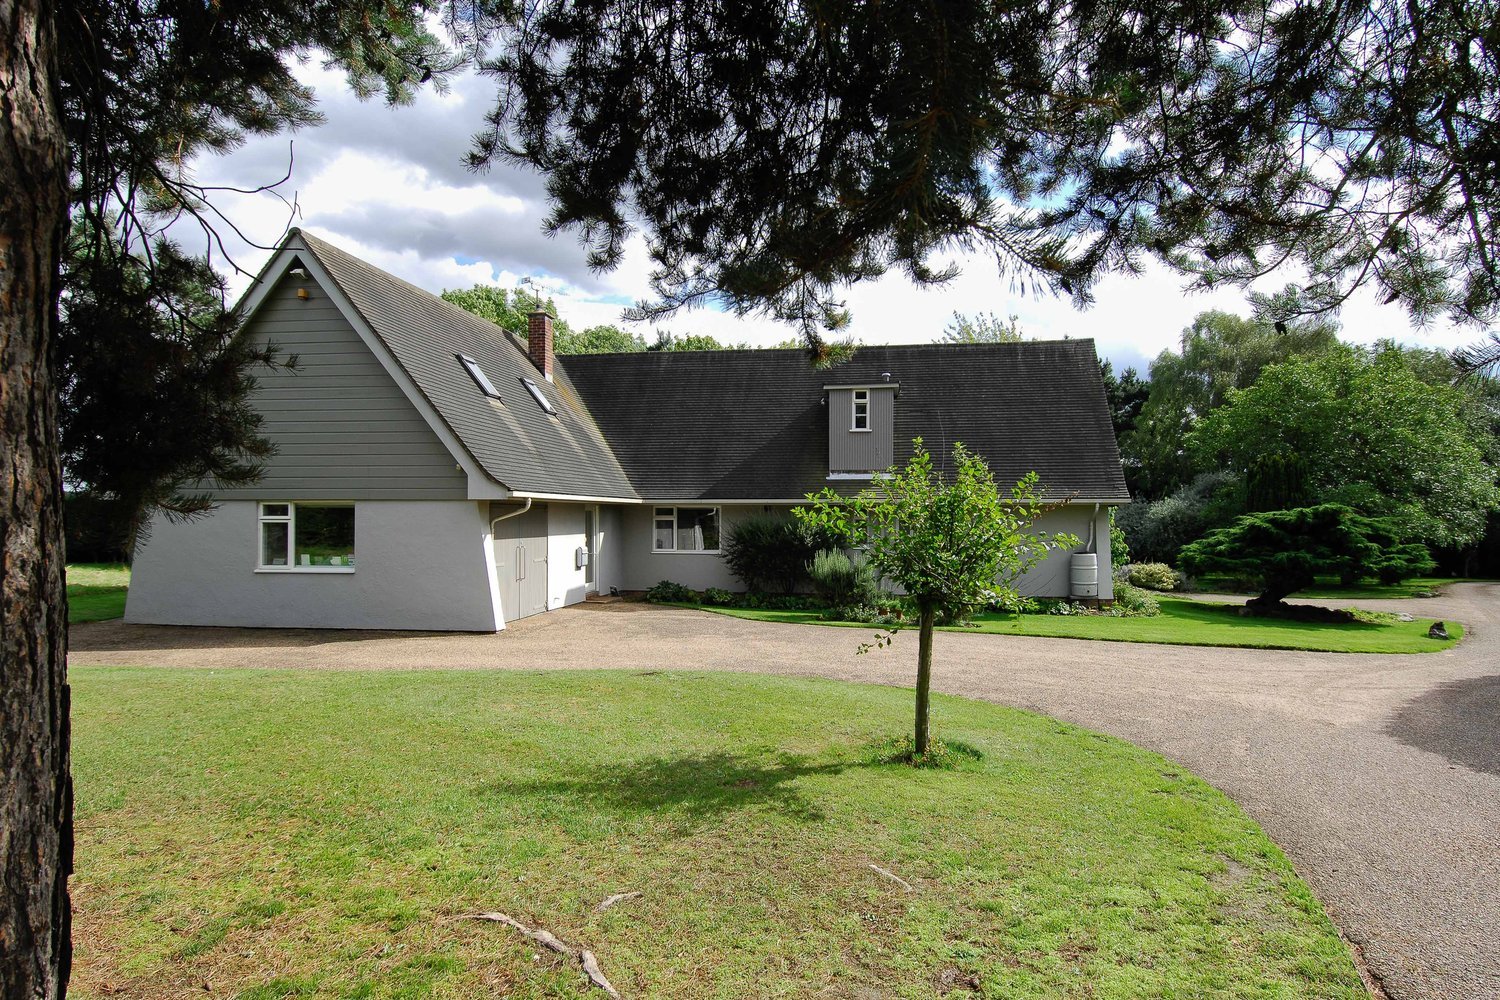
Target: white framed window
[(477, 374), (306, 537), (685, 529), (861, 410), (536, 394)]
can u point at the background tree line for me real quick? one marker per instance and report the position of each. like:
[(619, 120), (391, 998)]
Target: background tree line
[(1256, 413)]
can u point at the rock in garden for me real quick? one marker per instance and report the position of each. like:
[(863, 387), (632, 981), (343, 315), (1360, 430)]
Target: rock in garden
[(1438, 631)]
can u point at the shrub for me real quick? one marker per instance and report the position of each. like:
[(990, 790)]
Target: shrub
[(1133, 602), (667, 592), (770, 553), (1158, 530), (719, 597), (1152, 576), (778, 602), (840, 580), (1011, 603)]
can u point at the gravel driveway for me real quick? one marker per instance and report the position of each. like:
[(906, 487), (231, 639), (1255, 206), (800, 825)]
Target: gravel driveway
[(1379, 775)]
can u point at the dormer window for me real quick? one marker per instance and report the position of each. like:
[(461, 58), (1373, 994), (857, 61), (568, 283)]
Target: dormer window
[(477, 374), (861, 410), (536, 394)]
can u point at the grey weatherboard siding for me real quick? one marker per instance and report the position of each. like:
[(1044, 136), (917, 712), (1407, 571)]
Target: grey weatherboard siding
[(850, 450), (342, 428)]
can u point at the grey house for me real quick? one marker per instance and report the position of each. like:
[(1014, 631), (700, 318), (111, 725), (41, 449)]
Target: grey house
[(434, 471)]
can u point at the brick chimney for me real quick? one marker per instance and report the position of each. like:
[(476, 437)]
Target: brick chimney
[(539, 340)]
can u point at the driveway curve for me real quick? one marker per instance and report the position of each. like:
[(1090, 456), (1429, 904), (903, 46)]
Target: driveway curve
[(1377, 774)]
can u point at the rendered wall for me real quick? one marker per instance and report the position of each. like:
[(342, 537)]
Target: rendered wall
[(645, 567), (565, 578), (422, 565), (611, 566)]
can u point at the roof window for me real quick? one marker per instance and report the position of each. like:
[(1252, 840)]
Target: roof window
[(536, 394), (477, 374)]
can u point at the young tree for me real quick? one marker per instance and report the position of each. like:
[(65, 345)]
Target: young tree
[(952, 543), (1286, 550), (982, 328), (1371, 434)]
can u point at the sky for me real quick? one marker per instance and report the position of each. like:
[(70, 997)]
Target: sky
[(390, 185)]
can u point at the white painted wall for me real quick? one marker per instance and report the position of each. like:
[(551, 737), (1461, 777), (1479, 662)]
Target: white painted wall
[(422, 565), (611, 568), (1050, 577), (565, 578), (645, 567)]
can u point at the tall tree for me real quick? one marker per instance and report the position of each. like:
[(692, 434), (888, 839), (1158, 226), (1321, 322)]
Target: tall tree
[(155, 380), (773, 150), (508, 309), (1220, 352), (1373, 436), (103, 103), (1126, 394)]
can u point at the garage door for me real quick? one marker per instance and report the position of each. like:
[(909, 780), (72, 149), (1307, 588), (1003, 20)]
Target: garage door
[(521, 560)]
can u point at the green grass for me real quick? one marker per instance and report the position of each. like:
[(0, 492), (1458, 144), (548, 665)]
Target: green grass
[(279, 834), (1181, 623), (1328, 587), (96, 591)]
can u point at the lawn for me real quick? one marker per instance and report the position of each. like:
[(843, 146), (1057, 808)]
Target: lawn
[(268, 834), (1181, 623), (1330, 588), (96, 591)]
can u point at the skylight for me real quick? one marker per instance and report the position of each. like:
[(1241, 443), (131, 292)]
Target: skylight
[(477, 374), (536, 394)]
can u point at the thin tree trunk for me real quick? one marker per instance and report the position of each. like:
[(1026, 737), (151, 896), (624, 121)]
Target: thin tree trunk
[(924, 679), (36, 797)]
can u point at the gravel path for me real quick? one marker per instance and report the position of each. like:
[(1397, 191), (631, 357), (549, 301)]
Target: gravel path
[(1379, 775)]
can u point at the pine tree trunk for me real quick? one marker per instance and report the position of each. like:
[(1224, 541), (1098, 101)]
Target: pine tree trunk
[(924, 679), (36, 799)]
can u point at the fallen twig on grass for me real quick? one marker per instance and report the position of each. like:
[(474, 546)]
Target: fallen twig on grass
[(893, 877), (552, 942), (618, 897)]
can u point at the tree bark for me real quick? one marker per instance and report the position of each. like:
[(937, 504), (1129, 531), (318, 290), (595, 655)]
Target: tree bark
[(36, 795), (924, 680)]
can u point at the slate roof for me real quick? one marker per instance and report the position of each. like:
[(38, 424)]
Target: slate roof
[(517, 444), (747, 425), (732, 425)]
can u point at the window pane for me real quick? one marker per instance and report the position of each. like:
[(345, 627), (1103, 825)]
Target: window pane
[(325, 536), (663, 534), (697, 528), (275, 510), (273, 543)]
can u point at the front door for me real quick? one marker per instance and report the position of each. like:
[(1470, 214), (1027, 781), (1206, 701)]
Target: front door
[(521, 560)]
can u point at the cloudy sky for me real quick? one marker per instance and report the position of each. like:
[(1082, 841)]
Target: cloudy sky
[(389, 185)]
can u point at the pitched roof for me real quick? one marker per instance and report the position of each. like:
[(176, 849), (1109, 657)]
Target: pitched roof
[(731, 425), (517, 444), (750, 425)]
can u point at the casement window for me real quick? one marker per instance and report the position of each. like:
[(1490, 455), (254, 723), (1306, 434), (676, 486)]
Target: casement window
[(861, 410), (307, 537), (686, 529)]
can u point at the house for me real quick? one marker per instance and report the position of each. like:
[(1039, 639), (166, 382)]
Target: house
[(436, 472)]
